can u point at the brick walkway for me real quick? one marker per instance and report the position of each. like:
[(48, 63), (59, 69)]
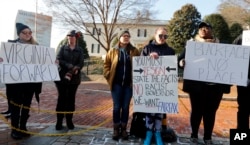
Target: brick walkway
[(94, 109)]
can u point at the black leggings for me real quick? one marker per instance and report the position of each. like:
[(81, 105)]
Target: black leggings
[(204, 105)]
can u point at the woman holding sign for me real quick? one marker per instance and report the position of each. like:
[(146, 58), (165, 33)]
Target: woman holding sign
[(205, 97), (21, 94), (118, 73), (155, 48)]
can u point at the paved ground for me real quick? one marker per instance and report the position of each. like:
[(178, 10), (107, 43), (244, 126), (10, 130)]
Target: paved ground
[(93, 118)]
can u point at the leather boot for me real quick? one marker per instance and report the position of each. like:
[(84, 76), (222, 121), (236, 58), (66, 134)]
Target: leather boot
[(15, 125), (158, 138), (116, 132), (148, 138), (59, 121), (69, 122), (124, 133), (23, 122)]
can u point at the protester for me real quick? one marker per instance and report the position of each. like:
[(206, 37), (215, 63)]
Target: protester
[(118, 73), (205, 97), (70, 60), (155, 48), (243, 98), (20, 94)]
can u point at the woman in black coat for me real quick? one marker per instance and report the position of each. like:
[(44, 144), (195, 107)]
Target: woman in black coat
[(70, 59), (20, 94)]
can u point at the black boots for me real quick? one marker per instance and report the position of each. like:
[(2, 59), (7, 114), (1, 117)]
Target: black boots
[(59, 121), (15, 134), (69, 122), (23, 122)]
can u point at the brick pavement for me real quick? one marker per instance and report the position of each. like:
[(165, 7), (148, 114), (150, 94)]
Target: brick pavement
[(94, 109)]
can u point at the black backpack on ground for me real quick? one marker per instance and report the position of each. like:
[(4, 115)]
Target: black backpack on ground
[(138, 125)]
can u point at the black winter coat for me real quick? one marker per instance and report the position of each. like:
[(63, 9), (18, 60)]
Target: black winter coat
[(68, 59), (35, 88), (163, 49)]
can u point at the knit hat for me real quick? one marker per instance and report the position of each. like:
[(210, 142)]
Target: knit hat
[(20, 27), (202, 24), (121, 33)]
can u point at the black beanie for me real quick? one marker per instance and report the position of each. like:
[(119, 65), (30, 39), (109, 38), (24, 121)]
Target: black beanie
[(20, 27)]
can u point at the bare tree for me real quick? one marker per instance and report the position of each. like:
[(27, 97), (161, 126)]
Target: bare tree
[(235, 11), (84, 15)]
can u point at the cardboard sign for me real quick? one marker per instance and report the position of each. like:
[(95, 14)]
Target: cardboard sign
[(155, 83), (217, 63), (27, 63)]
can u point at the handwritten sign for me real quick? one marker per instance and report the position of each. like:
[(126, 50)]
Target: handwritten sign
[(246, 38), (155, 84), (217, 63), (27, 63)]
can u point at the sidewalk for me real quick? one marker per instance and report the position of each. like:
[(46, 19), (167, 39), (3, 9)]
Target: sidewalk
[(93, 119)]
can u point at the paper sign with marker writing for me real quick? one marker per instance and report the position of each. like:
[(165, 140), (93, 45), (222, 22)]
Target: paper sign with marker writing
[(155, 84), (217, 63), (246, 38), (27, 63)]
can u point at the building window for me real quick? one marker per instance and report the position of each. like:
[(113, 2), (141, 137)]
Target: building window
[(142, 33), (99, 31), (95, 48)]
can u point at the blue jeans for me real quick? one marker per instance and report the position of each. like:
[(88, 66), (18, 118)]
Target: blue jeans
[(121, 100)]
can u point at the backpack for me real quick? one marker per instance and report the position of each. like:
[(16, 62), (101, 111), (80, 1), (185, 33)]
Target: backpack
[(138, 125)]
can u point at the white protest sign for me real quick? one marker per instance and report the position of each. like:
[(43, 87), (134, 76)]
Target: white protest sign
[(246, 38), (19, 53), (155, 84), (217, 63), (27, 63)]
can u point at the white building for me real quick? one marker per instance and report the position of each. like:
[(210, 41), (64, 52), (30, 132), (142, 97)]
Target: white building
[(40, 25), (140, 34)]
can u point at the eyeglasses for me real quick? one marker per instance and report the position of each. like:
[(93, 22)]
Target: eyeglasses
[(163, 36), (25, 33)]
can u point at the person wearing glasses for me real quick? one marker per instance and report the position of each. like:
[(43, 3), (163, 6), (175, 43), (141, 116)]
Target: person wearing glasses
[(155, 48), (118, 73), (70, 60), (205, 97), (20, 95)]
